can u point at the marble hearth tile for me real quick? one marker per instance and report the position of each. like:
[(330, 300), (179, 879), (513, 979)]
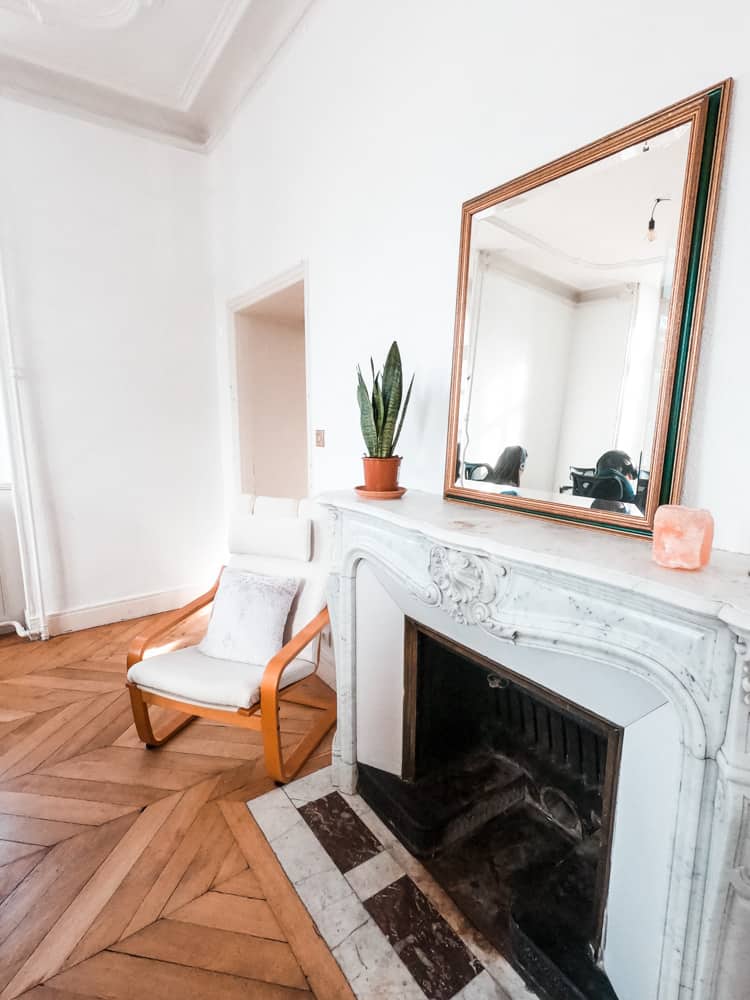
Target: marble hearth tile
[(333, 905), (496, 964), (373, 969), (274, 813), (313, 786), (483, 987), (373, 821), (372, 876), (301, 854), (341, 832), (436, 957)]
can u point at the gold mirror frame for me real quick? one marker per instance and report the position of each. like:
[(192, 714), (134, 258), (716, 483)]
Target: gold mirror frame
[(707, 114)]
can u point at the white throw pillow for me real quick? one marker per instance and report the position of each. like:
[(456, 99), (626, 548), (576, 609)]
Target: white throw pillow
[(248, 617)]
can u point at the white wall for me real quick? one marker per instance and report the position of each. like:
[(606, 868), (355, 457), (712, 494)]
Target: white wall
[(523, 341), (596, 364), (104, 240), (272, 405), (377, 120)]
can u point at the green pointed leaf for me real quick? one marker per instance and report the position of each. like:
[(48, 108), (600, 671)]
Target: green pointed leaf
[(403, 414), (366, 420), (377, 407), (392, 389)]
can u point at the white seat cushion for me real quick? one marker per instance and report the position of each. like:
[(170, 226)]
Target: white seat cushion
[(189, 675)]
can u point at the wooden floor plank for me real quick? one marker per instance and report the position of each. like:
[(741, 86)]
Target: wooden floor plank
[(11, 875), (96, 791), (231, 913), (65, 810), (28, 913), (217, 951), (122, 905), (121, 875), (244, 884), (318, 964), (44, 832), (48, 957), (114, 976)]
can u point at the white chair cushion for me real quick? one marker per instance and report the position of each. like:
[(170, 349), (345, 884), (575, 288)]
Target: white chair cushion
[(189, 675), (249, 616), (282, 537)]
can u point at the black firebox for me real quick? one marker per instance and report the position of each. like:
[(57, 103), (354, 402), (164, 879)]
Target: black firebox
[(507, 796)]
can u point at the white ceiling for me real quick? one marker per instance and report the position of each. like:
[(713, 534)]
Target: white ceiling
[(176, 67), (588, 229)]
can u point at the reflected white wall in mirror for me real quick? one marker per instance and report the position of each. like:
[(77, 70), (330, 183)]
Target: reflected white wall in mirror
[(567, 306)]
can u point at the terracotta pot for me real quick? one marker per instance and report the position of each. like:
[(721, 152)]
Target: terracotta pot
[(381, 474)]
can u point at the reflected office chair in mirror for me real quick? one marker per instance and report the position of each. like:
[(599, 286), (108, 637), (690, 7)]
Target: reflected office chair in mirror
[(583, 480)]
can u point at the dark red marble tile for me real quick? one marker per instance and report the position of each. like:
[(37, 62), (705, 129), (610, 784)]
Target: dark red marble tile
[(341, 832), (426, 944)]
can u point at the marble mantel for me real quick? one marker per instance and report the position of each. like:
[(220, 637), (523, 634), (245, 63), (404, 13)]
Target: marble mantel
[(603, 624)]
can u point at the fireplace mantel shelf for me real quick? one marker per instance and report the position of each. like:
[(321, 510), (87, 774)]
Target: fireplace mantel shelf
[(720, 590)]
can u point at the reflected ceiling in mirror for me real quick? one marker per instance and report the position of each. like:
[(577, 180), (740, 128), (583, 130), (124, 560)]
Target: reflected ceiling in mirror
[(578, 289)]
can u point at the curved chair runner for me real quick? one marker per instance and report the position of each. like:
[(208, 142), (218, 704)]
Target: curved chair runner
[(273, 537)]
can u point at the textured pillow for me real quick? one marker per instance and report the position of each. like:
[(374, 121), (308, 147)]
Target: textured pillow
[(248, 618)]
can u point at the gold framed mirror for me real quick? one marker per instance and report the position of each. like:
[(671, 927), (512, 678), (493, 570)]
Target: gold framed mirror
[(581, 290)]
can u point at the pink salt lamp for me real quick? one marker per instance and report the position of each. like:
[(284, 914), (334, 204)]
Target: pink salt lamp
[(682, 537)]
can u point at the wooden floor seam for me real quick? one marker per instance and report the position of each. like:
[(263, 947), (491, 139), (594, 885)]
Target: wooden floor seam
[(127, 872)]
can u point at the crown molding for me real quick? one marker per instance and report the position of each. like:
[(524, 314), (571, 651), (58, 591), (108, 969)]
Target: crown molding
[(97, 15), (222, 30), (245, 39), (53, 91)]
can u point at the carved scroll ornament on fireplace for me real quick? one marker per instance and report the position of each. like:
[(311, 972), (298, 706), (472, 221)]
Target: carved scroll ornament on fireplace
[(581, 289)]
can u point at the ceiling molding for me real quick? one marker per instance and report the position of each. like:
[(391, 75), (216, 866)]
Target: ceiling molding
[(48, 89), (243, 42), (97, 15), (222, 30)]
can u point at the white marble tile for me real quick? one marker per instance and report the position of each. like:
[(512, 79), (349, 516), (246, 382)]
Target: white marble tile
[(301, 854), (312, 786), (274, 813), (483, 987), (336, 922), (332, 904), (375, 874), (355, 802), (374, 970), (376, 825)]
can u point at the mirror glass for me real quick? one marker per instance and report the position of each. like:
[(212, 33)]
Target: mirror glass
[(567, 306)]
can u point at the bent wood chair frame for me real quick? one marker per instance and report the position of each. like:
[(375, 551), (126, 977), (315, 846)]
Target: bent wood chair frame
[(262, 717)]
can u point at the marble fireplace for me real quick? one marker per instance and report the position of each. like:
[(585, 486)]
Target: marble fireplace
[(588, 621)]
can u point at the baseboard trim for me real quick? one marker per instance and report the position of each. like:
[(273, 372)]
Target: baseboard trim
[(75, 619)]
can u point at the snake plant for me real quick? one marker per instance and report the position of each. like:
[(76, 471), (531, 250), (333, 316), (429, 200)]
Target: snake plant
[(379, 407)]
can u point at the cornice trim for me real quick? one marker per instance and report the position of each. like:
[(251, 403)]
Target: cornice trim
[(36, 85)]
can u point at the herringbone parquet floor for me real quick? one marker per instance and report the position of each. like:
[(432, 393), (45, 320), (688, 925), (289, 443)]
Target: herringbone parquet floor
[(129, 873)]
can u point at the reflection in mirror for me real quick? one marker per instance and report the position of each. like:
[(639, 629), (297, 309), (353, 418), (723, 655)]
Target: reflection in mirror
[(564, 335)]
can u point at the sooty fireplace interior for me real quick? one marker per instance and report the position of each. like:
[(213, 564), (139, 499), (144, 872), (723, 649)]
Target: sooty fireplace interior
[(508, 798)]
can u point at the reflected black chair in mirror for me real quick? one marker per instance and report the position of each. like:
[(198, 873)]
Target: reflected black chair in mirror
[(583, 481), (607, 488)]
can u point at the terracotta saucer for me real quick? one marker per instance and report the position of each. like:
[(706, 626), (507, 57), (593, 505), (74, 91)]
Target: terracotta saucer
[(380, 495)]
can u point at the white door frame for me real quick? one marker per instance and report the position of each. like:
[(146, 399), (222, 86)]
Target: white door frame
[(300, 272)]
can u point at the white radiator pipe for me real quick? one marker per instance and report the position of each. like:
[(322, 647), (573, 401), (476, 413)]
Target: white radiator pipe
[(23, 505)]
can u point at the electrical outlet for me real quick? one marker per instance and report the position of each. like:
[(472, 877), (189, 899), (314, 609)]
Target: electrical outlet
[(320, 439)]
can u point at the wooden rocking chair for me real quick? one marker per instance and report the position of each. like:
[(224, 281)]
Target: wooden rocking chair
[(275, 537)]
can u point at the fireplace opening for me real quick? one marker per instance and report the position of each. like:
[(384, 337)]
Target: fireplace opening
[(507, 797)]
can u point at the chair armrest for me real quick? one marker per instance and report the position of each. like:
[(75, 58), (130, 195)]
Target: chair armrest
[(166, 623), (275, 667)]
